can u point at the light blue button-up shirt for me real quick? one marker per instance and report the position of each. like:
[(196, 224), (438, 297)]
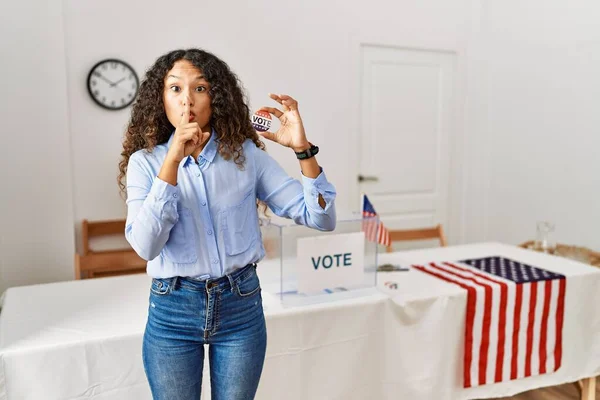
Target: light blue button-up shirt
[(207, 225)]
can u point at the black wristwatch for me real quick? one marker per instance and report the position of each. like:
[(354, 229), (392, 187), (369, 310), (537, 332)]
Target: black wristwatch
[(308, 153)]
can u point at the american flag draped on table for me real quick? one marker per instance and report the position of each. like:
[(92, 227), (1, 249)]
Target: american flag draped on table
[(514, 317), (373, 227)]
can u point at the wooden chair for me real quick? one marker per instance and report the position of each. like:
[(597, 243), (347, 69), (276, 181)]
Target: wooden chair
[(586, 388), (436, 232), (101, 263)]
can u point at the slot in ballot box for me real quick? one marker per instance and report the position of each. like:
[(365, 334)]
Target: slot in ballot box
[(304, 265)]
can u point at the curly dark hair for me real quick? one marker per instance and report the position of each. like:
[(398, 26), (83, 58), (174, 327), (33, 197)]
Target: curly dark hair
[(149, 126)]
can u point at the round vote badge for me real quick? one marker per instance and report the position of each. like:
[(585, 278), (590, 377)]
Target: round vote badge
[(261, 121)]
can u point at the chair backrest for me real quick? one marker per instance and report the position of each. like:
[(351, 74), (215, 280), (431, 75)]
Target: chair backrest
[(91, 229), (101, 263), (436, 232)]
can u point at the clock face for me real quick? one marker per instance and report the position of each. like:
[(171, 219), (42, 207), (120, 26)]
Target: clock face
[(113, 84)]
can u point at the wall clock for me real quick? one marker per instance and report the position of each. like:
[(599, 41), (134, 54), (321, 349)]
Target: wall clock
[(112, 84)]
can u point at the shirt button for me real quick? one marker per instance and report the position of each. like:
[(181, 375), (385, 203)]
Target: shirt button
[(209, 232), (203, 203), (174, 194), (215, 261)]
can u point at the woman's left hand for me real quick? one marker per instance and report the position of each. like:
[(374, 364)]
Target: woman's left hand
[(291, 132)]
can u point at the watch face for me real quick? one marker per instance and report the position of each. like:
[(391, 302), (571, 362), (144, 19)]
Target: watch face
[(113, 84)]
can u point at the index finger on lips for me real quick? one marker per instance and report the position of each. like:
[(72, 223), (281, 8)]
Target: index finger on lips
[(185, 117)]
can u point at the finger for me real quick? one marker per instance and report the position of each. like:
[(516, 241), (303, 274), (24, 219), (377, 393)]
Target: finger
[(272, 110), (197, 137), (289, 102), (275, 97), (279, 100), (267, 135), (187, 136), (204, 136), (286, 97), (189, 131), (188, 126), (185, 117)]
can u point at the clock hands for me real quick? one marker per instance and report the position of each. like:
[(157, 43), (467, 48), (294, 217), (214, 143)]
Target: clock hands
[(104, 79), (117, 82), (111, 84)]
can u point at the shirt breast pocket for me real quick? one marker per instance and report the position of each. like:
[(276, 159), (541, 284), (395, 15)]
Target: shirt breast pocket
[(240, 226), (181, 245)]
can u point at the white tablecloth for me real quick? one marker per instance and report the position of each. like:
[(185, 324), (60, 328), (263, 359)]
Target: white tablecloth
[(425, 327), (82, 339)]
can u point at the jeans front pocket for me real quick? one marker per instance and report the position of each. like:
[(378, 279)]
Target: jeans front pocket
[(181, 246), (248, 284), (160, 286)]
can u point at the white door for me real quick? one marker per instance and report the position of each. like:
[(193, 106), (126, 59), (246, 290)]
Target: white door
[(406, 128)]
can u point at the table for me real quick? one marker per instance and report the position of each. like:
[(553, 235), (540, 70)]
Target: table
[(82, 339), (434, 311)]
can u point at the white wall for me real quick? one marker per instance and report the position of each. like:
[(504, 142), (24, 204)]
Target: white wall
[(308, 49), (527, 93), (36, 206), (534, 100)]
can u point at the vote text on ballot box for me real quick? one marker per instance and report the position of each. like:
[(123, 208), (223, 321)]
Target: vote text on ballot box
[(304, 265)]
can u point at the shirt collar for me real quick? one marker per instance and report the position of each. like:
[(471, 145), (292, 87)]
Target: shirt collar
[(208, 153)]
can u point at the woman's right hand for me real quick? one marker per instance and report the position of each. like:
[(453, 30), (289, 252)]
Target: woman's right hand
[(187, 138)]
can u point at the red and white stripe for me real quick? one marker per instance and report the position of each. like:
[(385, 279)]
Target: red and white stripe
[(512, 330), (374, 229)]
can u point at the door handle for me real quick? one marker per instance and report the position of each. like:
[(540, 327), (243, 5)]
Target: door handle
[(362, 178)]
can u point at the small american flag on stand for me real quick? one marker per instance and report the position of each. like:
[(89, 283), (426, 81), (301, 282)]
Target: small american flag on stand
[(514, 317), (373, 227)]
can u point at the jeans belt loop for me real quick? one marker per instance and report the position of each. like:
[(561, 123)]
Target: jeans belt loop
[(230, 281)]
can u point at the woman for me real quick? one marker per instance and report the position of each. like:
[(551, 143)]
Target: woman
[(195, 169)]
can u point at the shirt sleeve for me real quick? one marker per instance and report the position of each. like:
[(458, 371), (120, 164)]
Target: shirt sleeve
[(290, 198), (151, 209)]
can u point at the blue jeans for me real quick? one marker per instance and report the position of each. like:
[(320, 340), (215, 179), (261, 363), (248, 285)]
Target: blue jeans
[(184, 315)]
